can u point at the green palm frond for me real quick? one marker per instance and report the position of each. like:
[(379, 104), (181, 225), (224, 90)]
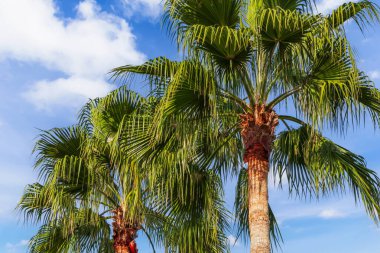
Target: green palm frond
[(157, 71), (111, 110), (315, 166), (278, 29), (195, 207), (300, 5), (230, 54), (369, 99), (84, 115), (363, 13), (77, 234), (60, 160), (57, 144), (180, 14), (330, 89), (339, 100), (42, 203)]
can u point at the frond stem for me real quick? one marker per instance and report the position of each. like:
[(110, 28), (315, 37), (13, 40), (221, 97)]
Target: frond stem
[(291, 118), (283, 96), (236, 99), (149, 239)]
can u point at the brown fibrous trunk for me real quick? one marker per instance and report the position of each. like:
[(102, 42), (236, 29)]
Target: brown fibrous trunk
[(258, 133), (124, 233)]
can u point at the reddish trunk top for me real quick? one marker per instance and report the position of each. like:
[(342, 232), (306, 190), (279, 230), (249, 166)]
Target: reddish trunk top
[(258, 132), (124, 233)]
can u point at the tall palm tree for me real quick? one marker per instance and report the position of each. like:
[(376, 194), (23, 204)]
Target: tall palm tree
[(85, 194), (249, 66)]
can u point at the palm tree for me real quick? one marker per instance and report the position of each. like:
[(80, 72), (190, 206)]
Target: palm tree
[(85, 194), (249, 66)]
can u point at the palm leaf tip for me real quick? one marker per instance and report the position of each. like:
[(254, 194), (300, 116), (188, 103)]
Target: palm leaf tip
[(363, 13)]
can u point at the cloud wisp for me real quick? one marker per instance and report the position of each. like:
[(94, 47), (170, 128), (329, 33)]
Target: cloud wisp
[(374, 75), (146, 8), (288, 209), (332, 214), (16, 247)]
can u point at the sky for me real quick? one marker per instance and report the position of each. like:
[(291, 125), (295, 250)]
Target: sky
[(55, 55)]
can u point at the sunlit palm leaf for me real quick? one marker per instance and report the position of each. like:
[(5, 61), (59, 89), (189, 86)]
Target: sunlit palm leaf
[(363, 13)]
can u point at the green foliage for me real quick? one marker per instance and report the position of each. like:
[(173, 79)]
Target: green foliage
[(314, 166), (181, 14), (86, 234), (163, 158), (87, 172), (363, 13), (238, 54)]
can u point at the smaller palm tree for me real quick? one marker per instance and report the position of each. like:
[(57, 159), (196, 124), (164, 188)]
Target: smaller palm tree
[(58, 202), (85, 193), (80, 205)]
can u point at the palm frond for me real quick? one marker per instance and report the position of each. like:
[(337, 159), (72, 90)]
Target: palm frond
[(57, 144), (180, 14), (363, 13), (75, 235), (156, 71), (315, 166), (195, 208)]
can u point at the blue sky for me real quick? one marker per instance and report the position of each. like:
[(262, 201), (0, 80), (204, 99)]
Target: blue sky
[(54, 55)]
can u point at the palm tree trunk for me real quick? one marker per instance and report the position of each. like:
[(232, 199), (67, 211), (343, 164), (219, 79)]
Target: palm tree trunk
[(258, 208), (124, 233), (258, 135), (121, 249)]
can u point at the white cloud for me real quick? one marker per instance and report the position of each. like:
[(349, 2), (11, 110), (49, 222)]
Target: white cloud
[(286, 210), (73, 91), (374, 75), (332, 213), (83, 48), (147, 8), (16, 247), (325, 6)]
